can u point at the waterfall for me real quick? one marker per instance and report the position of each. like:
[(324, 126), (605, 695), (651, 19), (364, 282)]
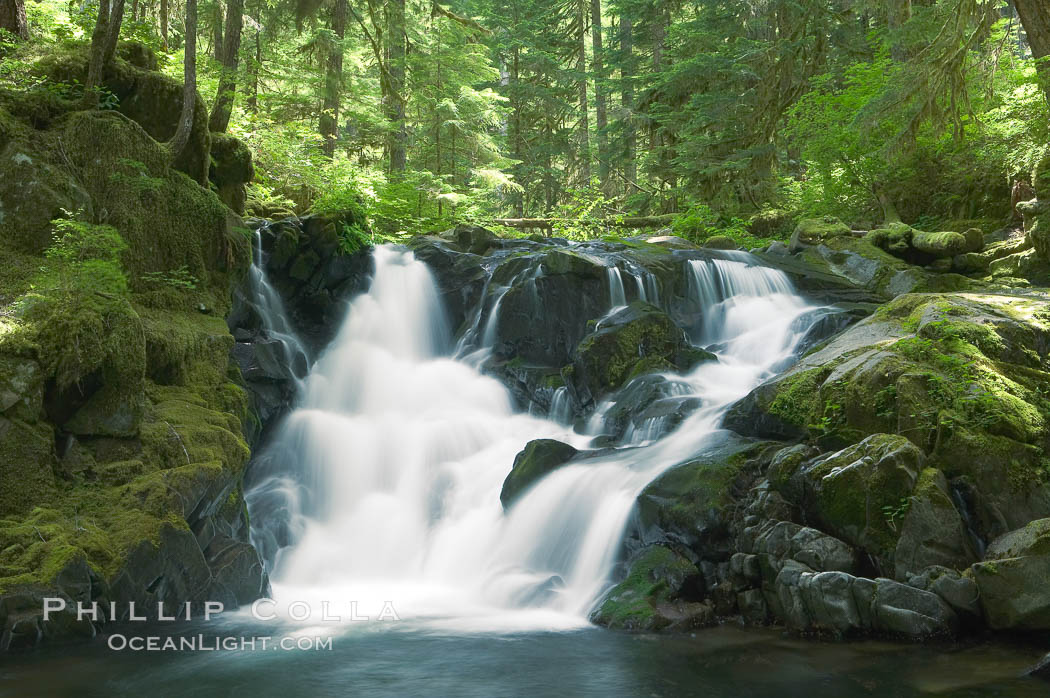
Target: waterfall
[(386, 478), (617, 295), (272, 314)]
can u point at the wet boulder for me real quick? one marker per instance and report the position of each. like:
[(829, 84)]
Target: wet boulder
[(635, 340), (539, 458), (690, 505), (932, 531), (652, 404), (542, 305), (660, 592)]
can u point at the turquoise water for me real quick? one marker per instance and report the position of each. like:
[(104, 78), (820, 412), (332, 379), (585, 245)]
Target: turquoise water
[(397, 661)]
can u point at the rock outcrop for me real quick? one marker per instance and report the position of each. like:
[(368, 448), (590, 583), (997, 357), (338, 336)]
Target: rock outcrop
[(123, 426)]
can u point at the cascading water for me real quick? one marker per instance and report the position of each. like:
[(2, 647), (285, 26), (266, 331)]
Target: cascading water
[(617, 295), (389, 472), (272, 314)]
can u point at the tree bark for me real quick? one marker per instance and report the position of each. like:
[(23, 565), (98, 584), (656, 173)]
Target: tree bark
[(898, 12), (189, 88), (328, 124), (116, 19), (216, 31), (395, 98), (219, 119), (584, 154), (164, 23), (1035, 18), (630, 167), (13, 18), (601, 118), (97, 55), (255, 67)]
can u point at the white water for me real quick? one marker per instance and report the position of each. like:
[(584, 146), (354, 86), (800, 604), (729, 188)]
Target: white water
[(617, 295), (272, 314), (400, 453)]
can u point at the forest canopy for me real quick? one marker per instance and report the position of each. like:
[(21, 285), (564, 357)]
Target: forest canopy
[(740, 117)]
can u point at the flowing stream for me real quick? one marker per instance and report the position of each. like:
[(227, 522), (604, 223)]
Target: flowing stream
[(382, 490), (392, 464)]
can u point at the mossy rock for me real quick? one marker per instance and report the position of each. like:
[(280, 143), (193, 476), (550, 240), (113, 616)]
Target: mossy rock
[(721, 242), (961, 376), (638, 339), (1032, 539), (150, 98), (231, 170), (1013, 592), (943, 244), (691, 504), (814, 231), (655, 595), (854, 493), (27, 462), (932, 531), (771, 223), (33, 192), (1037, 225), (538, 459)]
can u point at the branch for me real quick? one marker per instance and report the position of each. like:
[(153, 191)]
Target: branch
[(437, 10)]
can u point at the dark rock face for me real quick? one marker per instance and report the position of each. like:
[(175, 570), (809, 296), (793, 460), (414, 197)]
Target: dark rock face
[(543, 314), (638, 339), (314, 278)]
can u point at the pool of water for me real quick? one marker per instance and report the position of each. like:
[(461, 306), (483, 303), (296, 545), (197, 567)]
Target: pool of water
[(399, 660)]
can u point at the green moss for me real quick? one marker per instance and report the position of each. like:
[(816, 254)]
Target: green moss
[(798, 399), (813, 231), (855, 488), (654, 578), (640, 339)]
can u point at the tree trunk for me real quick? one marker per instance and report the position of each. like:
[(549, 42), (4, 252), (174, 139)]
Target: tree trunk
[(116, 18), (216, 31), (517, 136), (164, 23), (601, 119), (630, 167), (1035, 18), (189, 88), (328, 124), (13, 18), (96, 59), (395, 98), (219, 119), (581, 67), (254, 68)]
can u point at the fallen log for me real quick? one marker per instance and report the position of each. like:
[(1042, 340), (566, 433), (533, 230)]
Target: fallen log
[(625, 222)]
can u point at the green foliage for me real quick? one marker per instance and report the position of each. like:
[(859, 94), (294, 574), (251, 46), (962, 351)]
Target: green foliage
[(82, 268), (701, 223), (180, 278), (895, 513)]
